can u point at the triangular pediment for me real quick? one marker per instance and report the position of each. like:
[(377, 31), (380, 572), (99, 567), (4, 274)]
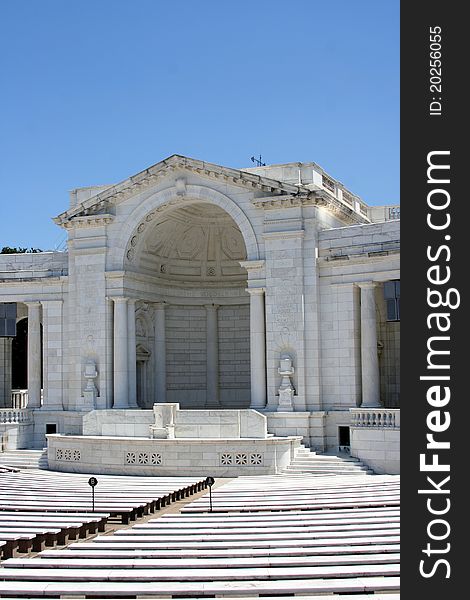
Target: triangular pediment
[(101, 203)]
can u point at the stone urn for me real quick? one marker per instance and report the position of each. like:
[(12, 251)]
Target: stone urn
[(286, 389)]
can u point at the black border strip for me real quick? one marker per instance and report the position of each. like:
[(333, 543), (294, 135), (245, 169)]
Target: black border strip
[(424, 131)]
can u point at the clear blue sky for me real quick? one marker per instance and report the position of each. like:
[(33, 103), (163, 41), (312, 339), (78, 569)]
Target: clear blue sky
[(94, 91)]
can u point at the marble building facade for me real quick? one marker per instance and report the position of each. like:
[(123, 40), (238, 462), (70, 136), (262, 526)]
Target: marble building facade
[(189, 282)]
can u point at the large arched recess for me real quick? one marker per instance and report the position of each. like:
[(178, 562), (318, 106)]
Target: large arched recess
[(188, 251), (135, 224)]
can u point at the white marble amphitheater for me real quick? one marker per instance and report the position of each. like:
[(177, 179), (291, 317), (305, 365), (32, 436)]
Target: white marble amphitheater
[(204, 321)]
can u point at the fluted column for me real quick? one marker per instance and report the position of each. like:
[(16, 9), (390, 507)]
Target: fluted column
[(257, 348), (34, 354), (121, 361), (369, 356), (131, 353), (212, 351), (160, 353)]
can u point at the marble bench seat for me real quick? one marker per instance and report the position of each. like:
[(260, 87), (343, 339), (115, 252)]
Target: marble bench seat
[(130, 562), (125, 513), (85, 550), (268, 516), (67, 530), (113, 589), (170, 527), (389, 500), (201, 574), (12, 542), (300, 498), (273, 533), (327, 540), (88, 525), (255, 539), (388, 596), (234, 490)]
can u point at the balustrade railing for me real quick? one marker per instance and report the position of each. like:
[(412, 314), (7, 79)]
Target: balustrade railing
[(14, 415), (19, 398), (378, 418)]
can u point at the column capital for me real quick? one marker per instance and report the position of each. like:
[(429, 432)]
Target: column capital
[(33, 303), (118, 299), (212, 306), (160, 305), (256, 291), (252, 265), (50, 300), (367, 285)]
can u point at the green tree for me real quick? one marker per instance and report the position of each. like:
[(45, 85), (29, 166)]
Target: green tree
[(20, 250)]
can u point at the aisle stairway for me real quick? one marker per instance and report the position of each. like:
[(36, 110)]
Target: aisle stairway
[(306, 461), (24, 459)]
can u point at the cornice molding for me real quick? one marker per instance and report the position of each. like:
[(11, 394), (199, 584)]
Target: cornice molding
[(316, 198), (137, 183), (88, 221)]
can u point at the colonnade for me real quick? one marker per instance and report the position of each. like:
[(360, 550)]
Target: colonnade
[(124, 359), (124, 351)]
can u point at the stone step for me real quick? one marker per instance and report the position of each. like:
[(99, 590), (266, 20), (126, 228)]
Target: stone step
[(326, 463), (329, 467), (306, 469), (326, 458), (25, 459)]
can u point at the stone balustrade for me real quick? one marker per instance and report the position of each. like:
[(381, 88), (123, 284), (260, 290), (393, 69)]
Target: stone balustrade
[(14, 415), (19, 398), (383, 418)]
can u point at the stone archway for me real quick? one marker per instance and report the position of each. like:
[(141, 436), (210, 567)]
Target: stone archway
[(133, 230), (191, 256)]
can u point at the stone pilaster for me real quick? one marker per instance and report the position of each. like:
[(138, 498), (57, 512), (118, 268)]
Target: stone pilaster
[(121, 364), (131, 353), (34, 354), (257, 348), (52, 354), (369, 356), (285, 309), (212, 368), (160, 353)]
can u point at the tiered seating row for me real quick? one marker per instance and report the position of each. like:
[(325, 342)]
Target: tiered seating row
[(40, 508), (342, 552), (309, 492)]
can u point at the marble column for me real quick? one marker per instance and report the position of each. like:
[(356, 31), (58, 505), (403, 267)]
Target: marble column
[(369, 356), (160, 353), (5, 373), (257, 348), (212, 355), (131, 353), (121, 364), (34, 354)]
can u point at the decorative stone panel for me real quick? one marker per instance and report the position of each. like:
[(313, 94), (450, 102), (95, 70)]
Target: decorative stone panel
[(143, 458), (68, 454), (237, 459)]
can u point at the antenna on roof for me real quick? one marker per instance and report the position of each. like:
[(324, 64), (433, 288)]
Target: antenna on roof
[(258, 162)]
